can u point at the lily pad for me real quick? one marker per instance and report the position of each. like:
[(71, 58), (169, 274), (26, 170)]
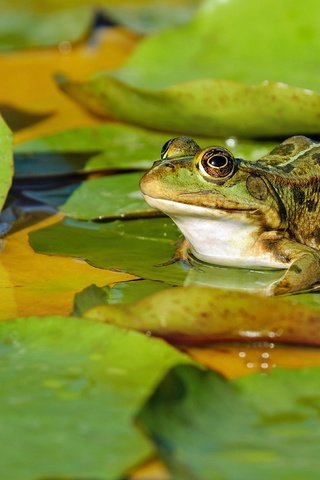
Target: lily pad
[(25, 27), (145, 17), (260, 426), (5, 161), (114, 196), (70, 389), (220, 107), (120, 293), (110, 146), (270, 49), (225, 82), (142, 247), (37, 24), (198, 314)]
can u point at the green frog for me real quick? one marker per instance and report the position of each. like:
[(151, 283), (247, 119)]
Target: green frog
[(233, 212)]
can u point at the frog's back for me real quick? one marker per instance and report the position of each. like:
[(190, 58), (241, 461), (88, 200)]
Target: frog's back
[(293, 169)]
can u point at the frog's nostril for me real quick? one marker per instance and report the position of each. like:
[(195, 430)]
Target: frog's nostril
[(163, 163), (168, 164)]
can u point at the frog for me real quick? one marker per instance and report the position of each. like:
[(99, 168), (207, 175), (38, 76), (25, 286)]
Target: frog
[(261, 214)]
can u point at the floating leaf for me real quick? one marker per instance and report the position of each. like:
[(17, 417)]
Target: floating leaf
[(224, 83), (216, 49), (143, 248), (220, 107), (54, 22), (145, 16), (260, 426), (31, 284), (127, 292), (6, 161), (121, 292), (198, 314), (117, 147), (107, 197), (70, 389), (24, 27), (22, 90)]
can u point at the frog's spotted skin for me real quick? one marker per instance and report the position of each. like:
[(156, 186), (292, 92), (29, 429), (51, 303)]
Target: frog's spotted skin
[(233, 212), (179, 147)]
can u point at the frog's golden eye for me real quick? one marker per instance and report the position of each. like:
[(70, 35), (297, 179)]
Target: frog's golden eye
[(179, 147), (216, 163)]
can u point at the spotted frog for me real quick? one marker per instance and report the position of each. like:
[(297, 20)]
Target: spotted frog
[(233, 212)]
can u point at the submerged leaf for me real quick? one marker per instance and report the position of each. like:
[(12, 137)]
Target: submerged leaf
[(70, 389), (198, 314), (260, 426)]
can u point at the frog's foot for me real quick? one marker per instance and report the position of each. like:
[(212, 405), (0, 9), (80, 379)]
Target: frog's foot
[(180, 255), (302, 275)]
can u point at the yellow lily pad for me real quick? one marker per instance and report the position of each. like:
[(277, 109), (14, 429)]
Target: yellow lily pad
[(31, 284)]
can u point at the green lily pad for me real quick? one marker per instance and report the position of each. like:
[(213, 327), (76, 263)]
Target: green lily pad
[(109, 146), (120, 293), (220, 107), (5, 161), (142, 247), (70, 390), (23, 26), (198, 314), (145, 17), (108, 197), (260, 426), (217, 45), (135, 246), (227, 81), (49, 23)]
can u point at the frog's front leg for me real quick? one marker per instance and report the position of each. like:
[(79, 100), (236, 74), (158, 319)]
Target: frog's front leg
[(304, 267), (180, 254)]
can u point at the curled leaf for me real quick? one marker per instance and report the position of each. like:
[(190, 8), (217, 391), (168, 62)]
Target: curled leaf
[(199, 314), (220, 107)]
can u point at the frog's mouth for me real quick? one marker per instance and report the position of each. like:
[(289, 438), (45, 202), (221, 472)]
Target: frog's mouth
[(173, 208)]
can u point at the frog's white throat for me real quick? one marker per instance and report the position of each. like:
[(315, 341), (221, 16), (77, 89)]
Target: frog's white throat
[(218, 236)]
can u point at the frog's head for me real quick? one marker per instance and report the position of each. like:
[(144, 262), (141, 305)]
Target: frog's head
[(192, 182)]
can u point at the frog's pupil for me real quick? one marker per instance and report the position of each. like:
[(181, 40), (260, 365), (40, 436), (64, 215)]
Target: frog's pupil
[(217, 161)]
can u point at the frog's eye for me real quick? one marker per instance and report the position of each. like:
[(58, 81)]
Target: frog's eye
[(179, 147), (217, 163)]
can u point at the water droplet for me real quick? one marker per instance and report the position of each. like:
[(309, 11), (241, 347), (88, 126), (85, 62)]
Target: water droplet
[(65, 47), (250, 365), (265, 355), (231, 142), (242, 354), (264, 365)]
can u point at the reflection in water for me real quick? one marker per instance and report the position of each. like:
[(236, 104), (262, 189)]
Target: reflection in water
[(242, 279), (234, 360)]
